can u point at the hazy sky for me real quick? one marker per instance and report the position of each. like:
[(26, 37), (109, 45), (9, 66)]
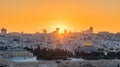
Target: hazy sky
[(75, 15)]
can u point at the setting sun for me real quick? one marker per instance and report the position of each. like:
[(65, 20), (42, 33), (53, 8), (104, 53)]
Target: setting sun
[(62, 28), (61, 25)]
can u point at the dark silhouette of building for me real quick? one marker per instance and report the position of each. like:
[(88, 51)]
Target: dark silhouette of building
[(3, 31), (44, 31), (91, 29), (65, 31), (57, 30)]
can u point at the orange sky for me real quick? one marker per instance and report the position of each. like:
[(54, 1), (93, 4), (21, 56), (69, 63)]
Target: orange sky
[(75, 15)]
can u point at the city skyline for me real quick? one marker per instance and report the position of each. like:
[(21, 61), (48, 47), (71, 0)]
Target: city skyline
[(59, 33), (75, 15)]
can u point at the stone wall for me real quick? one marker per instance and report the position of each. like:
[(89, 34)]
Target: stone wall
[(90, 63), (87, 63), (34, 64), (19, 53)]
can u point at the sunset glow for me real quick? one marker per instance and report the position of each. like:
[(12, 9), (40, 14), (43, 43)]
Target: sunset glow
[(74, 15), (61, 25)]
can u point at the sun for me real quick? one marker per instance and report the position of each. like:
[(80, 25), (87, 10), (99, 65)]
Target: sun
[(62, 28), (61, 25)]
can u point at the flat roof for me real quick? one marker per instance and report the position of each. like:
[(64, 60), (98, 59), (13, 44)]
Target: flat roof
[(24, 59)]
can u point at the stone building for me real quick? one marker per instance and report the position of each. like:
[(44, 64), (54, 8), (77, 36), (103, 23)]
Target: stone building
[(15, 53)]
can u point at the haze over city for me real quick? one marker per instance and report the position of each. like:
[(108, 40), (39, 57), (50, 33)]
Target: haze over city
[(59, 33), (76, 15)]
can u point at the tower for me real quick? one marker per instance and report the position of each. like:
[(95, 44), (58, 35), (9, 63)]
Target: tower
[(44, 31), (3, 31), (57, 30), (91, 29), (65, 31)]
